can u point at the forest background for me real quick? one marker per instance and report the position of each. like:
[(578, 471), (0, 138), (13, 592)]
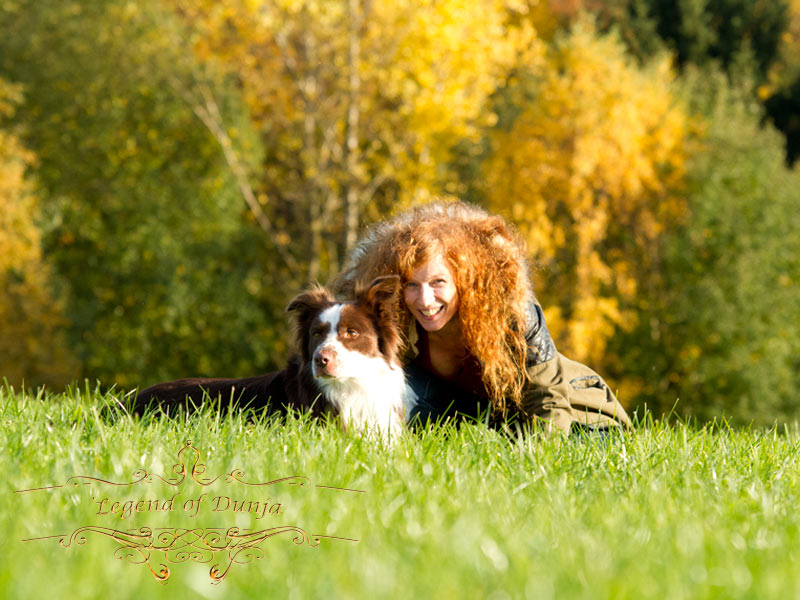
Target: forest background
[(172, 172)]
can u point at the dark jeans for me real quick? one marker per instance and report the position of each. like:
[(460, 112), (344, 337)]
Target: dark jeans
[(437, 400)]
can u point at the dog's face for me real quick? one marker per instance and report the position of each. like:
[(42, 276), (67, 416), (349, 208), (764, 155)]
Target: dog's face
[(342, 337), (341, 340)]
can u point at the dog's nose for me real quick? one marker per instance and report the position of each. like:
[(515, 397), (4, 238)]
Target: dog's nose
[(326, 360), (323, 357)]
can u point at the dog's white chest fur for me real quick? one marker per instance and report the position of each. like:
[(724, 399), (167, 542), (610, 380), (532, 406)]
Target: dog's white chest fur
[(372, 402)]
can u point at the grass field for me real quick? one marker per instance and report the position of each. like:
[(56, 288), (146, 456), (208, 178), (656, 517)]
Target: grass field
[(669, 511)]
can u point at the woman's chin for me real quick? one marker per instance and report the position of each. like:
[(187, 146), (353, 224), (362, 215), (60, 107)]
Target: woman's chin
[(430, 326)]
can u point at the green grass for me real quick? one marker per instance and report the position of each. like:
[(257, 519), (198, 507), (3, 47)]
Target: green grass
[(669, 511)]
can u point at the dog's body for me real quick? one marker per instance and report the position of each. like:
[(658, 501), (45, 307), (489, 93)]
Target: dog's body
[(347, 365)]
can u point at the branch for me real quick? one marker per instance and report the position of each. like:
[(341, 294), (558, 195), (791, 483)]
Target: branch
[(208, 112)]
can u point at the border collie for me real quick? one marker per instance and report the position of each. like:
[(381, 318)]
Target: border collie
[(347, 365)]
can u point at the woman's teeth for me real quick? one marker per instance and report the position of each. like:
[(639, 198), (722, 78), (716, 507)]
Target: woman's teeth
[(429, 312)]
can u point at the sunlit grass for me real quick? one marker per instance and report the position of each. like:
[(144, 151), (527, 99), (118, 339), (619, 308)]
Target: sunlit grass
[(669, 511)]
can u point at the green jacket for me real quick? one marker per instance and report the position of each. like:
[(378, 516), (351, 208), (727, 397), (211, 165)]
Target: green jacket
[(562, 392)]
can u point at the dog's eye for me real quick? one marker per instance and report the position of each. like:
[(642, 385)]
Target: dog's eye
[(351, 333), (317, 334)]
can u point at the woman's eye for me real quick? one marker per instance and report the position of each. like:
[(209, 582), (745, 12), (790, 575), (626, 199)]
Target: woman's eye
[(411, 284)]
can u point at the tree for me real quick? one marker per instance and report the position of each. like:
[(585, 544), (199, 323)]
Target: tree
[(783, 90), (722, 333), (756, 42), (698, 31), (165, 269), (32, 345), (359, 104), (591, 171)]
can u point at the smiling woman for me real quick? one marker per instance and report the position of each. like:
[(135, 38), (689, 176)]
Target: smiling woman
[(430, 294), (476, 337)]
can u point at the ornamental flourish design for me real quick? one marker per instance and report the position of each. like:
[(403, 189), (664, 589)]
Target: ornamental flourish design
[(188, 465), (156, 547), (220, 548)]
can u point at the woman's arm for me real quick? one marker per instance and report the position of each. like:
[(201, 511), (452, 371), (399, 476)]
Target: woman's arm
[(561, 391), (546, 395)]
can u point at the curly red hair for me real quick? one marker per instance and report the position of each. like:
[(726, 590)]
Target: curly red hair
[(487, 260)]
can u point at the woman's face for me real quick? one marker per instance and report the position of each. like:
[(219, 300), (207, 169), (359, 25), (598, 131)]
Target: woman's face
[(430, 294)]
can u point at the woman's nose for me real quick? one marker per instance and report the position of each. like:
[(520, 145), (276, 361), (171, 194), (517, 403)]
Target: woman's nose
[(426, 293)]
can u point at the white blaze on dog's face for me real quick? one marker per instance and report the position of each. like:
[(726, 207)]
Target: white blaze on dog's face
[(343, 343)]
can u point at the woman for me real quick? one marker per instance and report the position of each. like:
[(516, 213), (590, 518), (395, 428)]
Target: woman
[(476, 334)]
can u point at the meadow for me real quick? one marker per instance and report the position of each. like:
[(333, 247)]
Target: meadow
[(672, 510)]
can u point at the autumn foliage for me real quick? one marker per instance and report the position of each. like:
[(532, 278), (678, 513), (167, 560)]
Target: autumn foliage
[(592, 172), (358, 104)]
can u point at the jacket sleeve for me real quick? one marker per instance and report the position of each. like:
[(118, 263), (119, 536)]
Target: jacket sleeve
[(561, 391), (546, 395)]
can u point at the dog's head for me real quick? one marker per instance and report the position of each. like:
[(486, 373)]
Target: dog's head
[(335, 337)]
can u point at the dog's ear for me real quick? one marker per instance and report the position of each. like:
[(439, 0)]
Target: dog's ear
[(305, 307), (382, 296), (311, 299), (380, 291)]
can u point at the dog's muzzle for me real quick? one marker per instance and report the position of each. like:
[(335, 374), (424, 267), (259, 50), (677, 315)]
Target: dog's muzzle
[(326, 362)]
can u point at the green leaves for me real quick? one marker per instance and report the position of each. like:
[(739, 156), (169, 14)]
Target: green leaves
[(32, 345), (143, 219), (724, 324)]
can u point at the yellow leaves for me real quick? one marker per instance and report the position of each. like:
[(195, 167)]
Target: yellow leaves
[(622, 123), (10, 96), (444, 58), (592, 171), (438, 62), (131, 10), (19, 238), (425, 70), (592, 324), (282, 238)]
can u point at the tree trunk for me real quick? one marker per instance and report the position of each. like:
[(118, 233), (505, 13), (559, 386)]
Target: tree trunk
[(353, 116)]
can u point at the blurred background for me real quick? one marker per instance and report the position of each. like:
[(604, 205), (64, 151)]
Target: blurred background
[(173, 172)]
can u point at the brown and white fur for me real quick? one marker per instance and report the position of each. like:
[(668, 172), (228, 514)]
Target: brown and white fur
[(348, 364)]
